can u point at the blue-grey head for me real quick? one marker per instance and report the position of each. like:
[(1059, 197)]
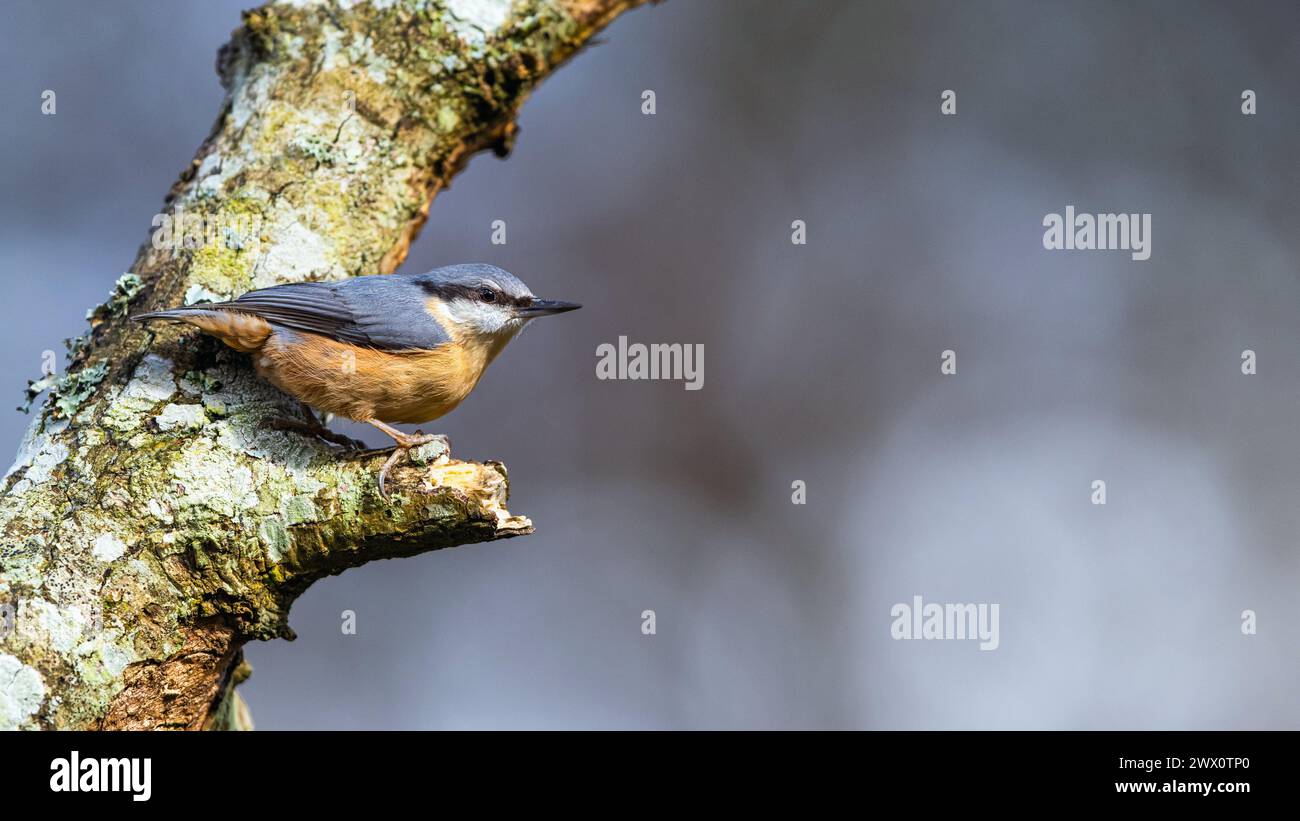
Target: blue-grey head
[(476, 299)]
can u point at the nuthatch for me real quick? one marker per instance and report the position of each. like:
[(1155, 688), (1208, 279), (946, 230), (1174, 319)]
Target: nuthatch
[(377, 349)]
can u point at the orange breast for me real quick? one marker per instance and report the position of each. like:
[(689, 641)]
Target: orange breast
[(364, 383)]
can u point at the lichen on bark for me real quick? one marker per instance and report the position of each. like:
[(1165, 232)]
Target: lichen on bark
[(158, 515)]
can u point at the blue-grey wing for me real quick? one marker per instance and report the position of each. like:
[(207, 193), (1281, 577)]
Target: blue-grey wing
[(382, 311)]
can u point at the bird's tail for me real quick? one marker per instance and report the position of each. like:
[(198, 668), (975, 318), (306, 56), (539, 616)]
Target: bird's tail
[(174, 315), (241, 331)]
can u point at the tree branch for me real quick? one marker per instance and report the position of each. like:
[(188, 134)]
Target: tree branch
[(160, 513)]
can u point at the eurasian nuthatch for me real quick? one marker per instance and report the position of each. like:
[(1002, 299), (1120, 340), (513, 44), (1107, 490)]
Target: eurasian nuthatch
[(377, 349)]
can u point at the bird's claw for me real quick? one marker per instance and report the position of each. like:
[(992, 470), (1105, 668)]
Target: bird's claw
[(403, 447)]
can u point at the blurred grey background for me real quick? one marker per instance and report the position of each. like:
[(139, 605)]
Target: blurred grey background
[(821, 364)]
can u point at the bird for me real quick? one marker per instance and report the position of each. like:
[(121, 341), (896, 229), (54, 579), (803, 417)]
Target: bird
[(382, 349)]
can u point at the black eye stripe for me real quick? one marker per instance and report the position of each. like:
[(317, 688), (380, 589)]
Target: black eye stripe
[(450, 291)]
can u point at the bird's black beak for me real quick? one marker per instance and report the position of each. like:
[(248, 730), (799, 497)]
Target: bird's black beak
[(545, 307)]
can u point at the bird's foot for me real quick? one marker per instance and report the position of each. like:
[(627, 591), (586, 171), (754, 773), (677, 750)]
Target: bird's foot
[(322, 430), (406, 441), (345, 442), (313, 427)]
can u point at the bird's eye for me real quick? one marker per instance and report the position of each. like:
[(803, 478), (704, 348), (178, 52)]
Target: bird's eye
[(487, 295)]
